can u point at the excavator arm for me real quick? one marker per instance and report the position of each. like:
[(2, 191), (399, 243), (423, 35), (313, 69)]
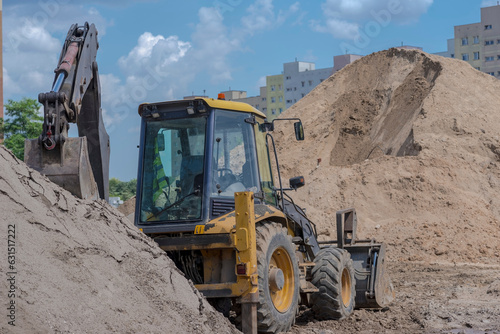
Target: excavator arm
[(80, 165)]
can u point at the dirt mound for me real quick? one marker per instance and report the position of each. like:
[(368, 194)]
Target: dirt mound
[(81, 267), (411, 141), (128, 207)]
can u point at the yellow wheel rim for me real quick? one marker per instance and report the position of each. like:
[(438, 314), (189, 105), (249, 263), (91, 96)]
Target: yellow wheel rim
[(346, 287), (282, 298)]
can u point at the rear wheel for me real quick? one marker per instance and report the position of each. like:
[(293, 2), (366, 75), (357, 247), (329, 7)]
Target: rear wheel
[(333, 275), (278, 278)]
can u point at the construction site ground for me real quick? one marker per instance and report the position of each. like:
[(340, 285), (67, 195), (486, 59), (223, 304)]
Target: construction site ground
[(409, 139), (430, 298)]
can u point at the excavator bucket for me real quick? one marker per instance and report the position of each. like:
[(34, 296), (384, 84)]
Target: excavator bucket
[(373, 285), (67, 165)]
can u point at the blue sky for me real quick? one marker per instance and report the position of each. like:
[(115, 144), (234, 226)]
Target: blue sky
[(152, 50)]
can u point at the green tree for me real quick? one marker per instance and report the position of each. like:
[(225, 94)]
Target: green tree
[(122, 189), (21, 122)]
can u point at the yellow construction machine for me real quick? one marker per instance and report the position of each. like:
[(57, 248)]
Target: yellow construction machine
[(206, 194)]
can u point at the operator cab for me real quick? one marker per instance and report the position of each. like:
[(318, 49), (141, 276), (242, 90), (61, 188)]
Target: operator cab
[(195, 154)]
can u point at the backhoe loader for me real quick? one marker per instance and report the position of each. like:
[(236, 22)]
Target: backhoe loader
[(206, 195)]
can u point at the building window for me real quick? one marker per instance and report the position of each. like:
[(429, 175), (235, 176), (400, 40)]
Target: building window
[(281, 98), (273, 88), (281, 110), (288, 77), (489, 42), (294, 88), (476, 39), (491, 58), (478, 68), (465, 56), (288, 101), (273, 111), (294, 100), (488, 27), (498, 41), (452, 55), (303, 94), (273, 99), (256, 106), (491, 73), (280, 87), (303, 83), (498, 73), (498, 57), (264, 109), (263, 99), (310, 83), (321, 80), (476, 55), (465, 41), (288, 89)]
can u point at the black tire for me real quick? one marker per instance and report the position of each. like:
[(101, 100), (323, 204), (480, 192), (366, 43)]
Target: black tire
[(277, 307), (333, 275)]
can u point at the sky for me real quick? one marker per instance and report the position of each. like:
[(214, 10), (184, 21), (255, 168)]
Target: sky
[(157, 50)]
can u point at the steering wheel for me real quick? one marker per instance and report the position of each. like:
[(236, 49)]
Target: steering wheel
[(225, 177), (221, 172)]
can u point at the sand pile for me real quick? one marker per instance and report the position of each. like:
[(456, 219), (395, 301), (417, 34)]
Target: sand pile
[(411, 141), (82, 267)]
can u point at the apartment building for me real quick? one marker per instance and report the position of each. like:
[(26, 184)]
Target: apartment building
[(300, 78), (282, 91), (478, 43)]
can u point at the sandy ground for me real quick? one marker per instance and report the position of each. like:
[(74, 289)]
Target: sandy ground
[(430, 298)]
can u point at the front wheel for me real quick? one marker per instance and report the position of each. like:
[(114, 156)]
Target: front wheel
[(278, 278), (333, 275)]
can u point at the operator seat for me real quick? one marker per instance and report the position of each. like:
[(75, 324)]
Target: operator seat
[(191, 174)]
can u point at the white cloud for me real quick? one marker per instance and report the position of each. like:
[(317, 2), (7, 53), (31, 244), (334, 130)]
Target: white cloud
[(261, 16), (30, 50), (212, 44), (10, 87), (344, 18), (155, 69), (338, 28), (29, 57), (155, 51)]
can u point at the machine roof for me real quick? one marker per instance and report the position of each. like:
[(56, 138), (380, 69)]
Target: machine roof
[(213, 103)]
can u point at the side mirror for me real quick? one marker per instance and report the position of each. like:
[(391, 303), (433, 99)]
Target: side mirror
[(268, 126), (299, 130), (161, 142), (297, 182)]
